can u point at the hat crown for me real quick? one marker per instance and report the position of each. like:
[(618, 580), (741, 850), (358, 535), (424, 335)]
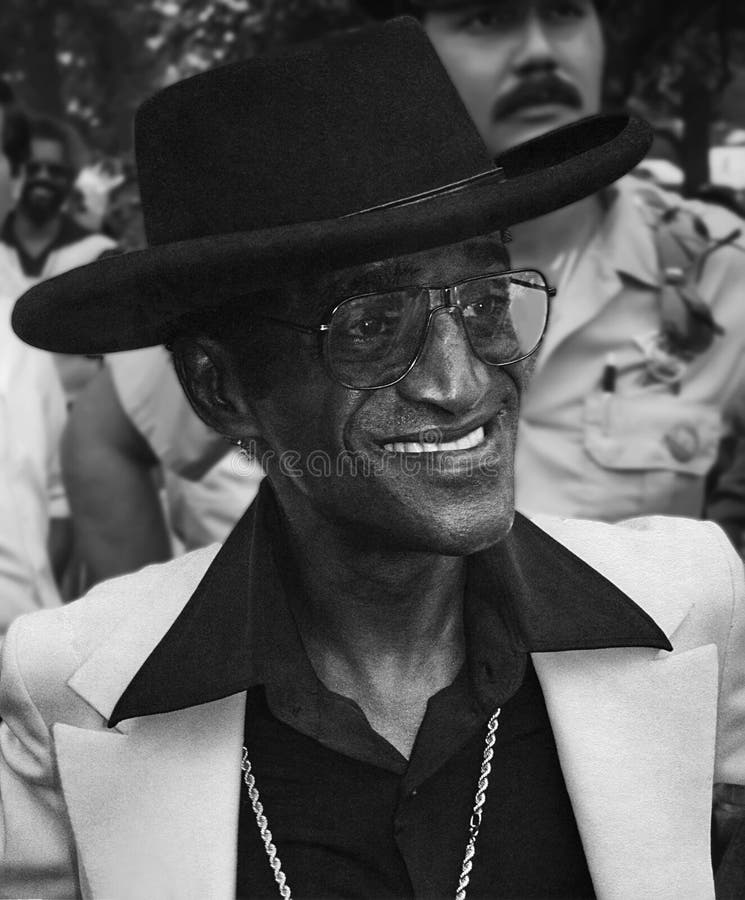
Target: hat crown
[(320, 131)]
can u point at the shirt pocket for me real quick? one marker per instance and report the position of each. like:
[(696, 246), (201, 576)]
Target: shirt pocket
[(654, 431)]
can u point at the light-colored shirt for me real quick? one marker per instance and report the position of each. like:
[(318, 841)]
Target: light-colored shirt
[(74, 246), (199, 511), (32, 416), (644, 446)]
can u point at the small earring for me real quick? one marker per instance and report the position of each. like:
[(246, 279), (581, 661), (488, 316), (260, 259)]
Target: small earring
[(247, 449)]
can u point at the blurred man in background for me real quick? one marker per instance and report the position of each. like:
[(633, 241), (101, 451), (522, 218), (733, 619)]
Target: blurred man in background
[(39, 239)]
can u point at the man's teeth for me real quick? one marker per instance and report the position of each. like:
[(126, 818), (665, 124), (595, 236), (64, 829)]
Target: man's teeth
[(472, 439)]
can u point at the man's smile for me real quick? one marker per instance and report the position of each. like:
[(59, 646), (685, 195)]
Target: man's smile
[(431, 444)]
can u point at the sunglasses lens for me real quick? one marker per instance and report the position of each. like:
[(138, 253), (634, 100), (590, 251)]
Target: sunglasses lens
[(373, 339), (505, 315), (55, 170)]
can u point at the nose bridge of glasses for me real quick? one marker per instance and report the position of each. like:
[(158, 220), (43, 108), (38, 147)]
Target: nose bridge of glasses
[(445, 306), (439, 298), (446, 368)]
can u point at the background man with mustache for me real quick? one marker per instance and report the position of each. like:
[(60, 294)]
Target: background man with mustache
[(39, 239), (633, 387)]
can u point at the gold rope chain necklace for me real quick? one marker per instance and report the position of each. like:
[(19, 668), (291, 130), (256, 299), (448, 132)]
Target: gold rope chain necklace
[(474, 825)]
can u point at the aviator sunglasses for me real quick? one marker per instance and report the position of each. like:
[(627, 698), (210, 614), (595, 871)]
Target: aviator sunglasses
[(374, 340)]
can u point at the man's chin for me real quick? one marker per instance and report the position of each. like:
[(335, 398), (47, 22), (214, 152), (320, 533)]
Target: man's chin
[(40, 213), (469, 541), (452, 532), (41, 217)]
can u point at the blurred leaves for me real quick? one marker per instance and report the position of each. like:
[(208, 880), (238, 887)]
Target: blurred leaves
[(673, 63), (94, 61), (656, 48)]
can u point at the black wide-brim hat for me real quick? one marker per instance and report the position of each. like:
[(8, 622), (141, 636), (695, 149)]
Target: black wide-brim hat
[(350, 150)]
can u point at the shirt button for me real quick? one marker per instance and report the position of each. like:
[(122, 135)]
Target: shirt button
[(682, 442)]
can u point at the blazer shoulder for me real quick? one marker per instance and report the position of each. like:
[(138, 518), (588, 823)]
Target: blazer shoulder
[(47, 646), (663, 563)]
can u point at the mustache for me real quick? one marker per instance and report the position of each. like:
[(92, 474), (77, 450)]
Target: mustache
[(51, 186), (535, 92)]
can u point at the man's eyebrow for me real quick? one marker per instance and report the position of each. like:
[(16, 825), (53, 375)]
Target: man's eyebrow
[(487, 251), (385, 277)]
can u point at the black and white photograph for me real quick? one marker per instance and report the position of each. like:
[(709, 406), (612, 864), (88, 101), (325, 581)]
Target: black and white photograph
[(309, 586)]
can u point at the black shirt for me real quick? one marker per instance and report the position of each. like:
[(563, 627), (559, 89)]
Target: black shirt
[(350, 815), (346, 828)]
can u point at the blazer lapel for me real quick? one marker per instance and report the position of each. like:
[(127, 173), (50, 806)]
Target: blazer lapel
[(154, 805), (635, 732)]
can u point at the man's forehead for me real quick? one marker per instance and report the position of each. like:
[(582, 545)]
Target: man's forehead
[(313, 297), (483, 252), (46, 148)]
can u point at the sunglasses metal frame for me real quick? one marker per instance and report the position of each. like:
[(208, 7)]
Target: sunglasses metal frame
[(60, 171), (445, 294)]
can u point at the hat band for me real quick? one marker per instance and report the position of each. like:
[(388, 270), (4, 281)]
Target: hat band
[(494, 173)]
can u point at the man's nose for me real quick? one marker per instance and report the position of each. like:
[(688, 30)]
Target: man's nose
[(534, 51), (447, 373)]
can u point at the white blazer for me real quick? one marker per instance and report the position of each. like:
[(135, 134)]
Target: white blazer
[(149, 809)]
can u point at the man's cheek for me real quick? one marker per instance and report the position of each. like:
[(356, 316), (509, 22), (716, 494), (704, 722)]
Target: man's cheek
[(527, 369)]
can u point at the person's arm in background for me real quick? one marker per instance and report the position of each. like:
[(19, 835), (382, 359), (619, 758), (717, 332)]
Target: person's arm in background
[(108, 469), (725, 494), (60, 537), (60, 547), (724, 499)]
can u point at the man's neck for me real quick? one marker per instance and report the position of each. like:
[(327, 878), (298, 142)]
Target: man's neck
[(35, 237), (384, 628)]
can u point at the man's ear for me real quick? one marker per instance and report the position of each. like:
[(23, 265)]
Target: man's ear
[(214, 392)]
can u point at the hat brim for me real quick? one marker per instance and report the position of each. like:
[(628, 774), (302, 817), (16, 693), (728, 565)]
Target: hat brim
[(134, 300)]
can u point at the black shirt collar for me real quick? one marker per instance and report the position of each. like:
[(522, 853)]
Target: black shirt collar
[(237, 631)]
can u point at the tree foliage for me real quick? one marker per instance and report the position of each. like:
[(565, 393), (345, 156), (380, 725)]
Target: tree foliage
[(674, 62), (93, 61)]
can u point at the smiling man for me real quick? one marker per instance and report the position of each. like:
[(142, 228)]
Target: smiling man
[(39, 239), (641, 374), (385, 684)]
